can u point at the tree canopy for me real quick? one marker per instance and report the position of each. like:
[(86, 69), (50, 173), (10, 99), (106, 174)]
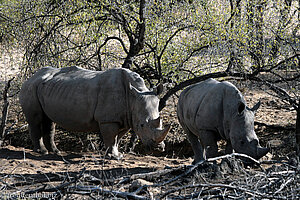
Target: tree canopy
[(176, 42)]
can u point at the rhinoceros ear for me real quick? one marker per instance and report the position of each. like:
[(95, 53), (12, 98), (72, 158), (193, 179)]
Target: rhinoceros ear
[(158, 89), (241, 107), (256, 106), (135, 92)]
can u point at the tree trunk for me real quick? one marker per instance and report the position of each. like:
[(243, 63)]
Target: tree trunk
[(255, 11), (4, 112), (137, 39), (298, 129)]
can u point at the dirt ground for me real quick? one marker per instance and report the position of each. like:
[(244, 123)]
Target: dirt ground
[(24, 172)]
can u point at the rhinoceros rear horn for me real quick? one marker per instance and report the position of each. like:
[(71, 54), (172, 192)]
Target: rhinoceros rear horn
[(161, 134), (155, 123)]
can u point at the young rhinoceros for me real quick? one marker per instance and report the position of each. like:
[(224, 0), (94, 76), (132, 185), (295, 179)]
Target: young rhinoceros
[(213, 110), (110, 102)]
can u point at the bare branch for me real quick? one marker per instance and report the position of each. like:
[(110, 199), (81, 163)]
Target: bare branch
[(170, 39), (280, 91), (281, 62), (183, 84), (114, 38), (5, 111)]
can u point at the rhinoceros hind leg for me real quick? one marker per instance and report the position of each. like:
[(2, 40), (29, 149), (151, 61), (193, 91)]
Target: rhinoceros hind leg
[(36, 137), (48, 128), (109, 132), (196, 145)]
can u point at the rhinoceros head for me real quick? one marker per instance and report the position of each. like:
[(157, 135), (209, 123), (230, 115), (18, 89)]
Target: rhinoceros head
[(146, 121), (242, 135)]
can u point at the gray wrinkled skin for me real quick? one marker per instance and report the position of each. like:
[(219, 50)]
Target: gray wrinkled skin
[(213, 110), (110, 102)]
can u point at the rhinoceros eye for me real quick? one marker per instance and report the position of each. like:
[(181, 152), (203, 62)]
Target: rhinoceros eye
[(242, 142), (142, 125)]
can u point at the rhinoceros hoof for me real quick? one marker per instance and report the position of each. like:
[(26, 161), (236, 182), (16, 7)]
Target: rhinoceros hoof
[(41, 151), (118, 156), (196, 161), (57, 152)]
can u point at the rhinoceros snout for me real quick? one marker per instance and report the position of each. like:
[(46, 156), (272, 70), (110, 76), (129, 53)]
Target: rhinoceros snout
[(155, 141)]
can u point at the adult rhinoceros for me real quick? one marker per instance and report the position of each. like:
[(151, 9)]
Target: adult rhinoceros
[(213, 110), (110, 102)]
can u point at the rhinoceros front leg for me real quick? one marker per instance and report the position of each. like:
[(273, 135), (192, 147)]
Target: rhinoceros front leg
[(209, 141), (110, 135), (228, 148)]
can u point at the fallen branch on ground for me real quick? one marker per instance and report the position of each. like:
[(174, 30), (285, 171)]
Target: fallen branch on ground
[(126, 195), (221, 186), (150, 175), (279, 181), (58, 188), (190, 170)]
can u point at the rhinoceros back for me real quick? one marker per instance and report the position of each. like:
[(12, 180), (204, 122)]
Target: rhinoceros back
[(204, 106), (75, 98)]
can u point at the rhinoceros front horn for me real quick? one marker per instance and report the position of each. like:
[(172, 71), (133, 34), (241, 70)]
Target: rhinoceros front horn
[(262, 151), (161, 134)]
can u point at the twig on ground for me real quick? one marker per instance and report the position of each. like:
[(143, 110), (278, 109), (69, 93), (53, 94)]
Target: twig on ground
[(284, 185), (150, 175), (234, 155), (58, 188), (173, 179), (221, 186), (280, 181), (126, 195)]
